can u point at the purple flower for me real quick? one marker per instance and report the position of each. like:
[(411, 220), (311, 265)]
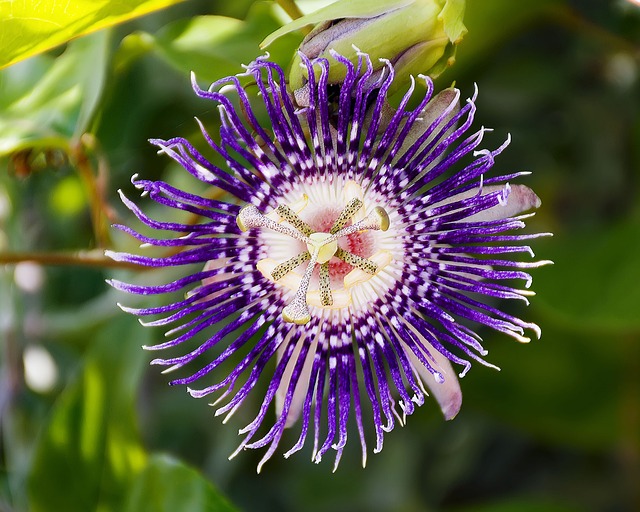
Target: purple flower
[(352, 246)]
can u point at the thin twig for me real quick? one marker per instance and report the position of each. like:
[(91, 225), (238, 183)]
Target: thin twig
[(11, 371), (80, 259), (98, 204)]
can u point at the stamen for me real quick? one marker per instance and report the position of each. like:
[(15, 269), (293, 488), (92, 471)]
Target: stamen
[(297, 312), (377, 219), (290, 216), (349, 211), (357, 261), (325, 286), (296, 206), (321, 248), (284, 268), (250, 217), (358, 276)]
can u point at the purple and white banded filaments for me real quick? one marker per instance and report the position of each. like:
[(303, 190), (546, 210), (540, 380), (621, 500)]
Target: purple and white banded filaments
[(342, 268)]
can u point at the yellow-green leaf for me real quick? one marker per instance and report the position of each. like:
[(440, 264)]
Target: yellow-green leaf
[(29, 28), (337, 10), (58, 98), (211, 46), (90, 449)]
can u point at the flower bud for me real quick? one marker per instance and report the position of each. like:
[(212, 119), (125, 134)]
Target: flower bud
[(417, 36)]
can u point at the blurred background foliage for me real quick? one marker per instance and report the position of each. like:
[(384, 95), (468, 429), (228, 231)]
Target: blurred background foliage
[(86, 425)]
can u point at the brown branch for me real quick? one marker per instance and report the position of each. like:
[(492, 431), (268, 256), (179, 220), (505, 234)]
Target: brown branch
[(95, 185), (80, 259)]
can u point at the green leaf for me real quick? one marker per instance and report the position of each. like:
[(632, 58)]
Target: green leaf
[(211, 46), (167, 485), (29, 28), (593, 284), (338, 10), (61, 100), (90, 449)]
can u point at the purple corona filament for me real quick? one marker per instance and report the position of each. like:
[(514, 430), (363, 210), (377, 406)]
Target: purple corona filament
[(346, 260)]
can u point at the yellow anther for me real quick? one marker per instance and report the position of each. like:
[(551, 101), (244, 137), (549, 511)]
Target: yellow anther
[(377, 219), (292, 218), (296, 206), (284, 268), (381, 218), (325, 286), (292, 281), (347, 213), (357, 261), (246, 219), (353, 190), (340, 298), (380, 259)]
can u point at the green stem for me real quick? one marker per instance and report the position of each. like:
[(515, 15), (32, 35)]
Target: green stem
[(290, 7), (10, 369), (81, 259)]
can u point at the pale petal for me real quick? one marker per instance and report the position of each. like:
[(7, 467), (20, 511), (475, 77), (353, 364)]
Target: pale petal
[(302, 385), (448, 393), (520, 199), (447, 104)]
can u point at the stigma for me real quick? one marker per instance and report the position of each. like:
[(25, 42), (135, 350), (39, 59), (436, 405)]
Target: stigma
[(334, 244)]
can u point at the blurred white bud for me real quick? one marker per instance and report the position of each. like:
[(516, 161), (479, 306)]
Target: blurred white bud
[(29, 276), (40, 370)]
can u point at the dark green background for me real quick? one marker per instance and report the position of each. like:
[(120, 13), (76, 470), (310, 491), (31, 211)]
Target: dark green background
[(558, 429)]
